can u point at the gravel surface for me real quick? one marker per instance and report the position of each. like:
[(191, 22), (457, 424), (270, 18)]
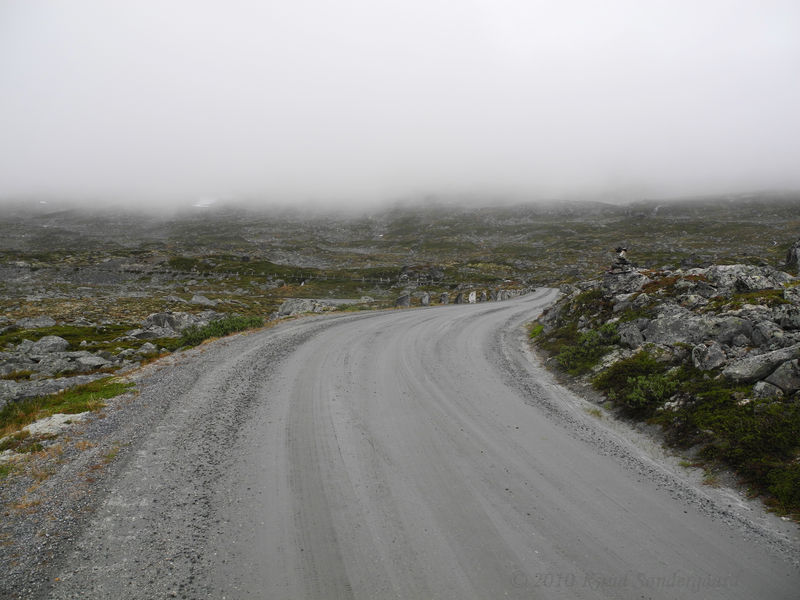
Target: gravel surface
[(404, 454)]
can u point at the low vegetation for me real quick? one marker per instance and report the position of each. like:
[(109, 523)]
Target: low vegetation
[(192, 336), (88, 397)]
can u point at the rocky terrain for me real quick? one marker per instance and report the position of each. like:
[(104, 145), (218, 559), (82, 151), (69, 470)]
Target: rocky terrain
[(90, 294), (710, 355)]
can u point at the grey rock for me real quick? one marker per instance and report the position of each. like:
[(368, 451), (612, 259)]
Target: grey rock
[(147, 348), (740, 340), (425, 300), (679, 327), (50, 343), (202, 300), (630, 336), (787, 316), (708, 357), (175, 299), (444, 298), (786, 377), (724, 329), (758, 366), (623, 283), (493, 295), (459, 298), (91, 362), (762, 389), (745, 278), (482, 296), (25, 346), (766, 333), (298, 306), (792, 294), (35, 322), (403, 300)]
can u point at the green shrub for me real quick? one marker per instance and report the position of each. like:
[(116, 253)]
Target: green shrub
[(647, 392), (589, 347), (192, 336), (784, 485)]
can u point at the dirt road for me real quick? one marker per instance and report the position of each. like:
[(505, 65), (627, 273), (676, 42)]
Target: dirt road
[(411, 454)]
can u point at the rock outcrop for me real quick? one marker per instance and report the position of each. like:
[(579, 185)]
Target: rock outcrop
[(741, 322)]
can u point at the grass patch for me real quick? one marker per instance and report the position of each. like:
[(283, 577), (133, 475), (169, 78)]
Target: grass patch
[(535, 330), (5, 470), (89, 397), (192, 336), (18, 375)]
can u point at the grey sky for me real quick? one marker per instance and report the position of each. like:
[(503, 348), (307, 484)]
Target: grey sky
[(369, 98)]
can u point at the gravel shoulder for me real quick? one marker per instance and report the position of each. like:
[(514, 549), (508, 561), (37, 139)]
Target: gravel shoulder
[(405, 454)]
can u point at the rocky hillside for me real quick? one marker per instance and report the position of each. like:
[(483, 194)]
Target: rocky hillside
[(711, 355)]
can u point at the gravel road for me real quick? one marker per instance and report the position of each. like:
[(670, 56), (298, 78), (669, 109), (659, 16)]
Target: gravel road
[(402, 454)]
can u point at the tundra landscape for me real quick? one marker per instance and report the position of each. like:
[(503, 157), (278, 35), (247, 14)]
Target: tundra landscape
[(687, 345), (364, 300)]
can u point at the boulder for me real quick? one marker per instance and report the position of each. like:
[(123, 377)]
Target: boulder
[(708, 357), (202, 300), (472, 297), (623, 283), (49, 343), (758, 366), (678, 327), (403, 300), (786, 377), (724, 329), (425, 300), (298, 306), (787, 316), (762, 389), (91, 362), (630, 336), (765, 333), (444, 298), (147, 348), (459, 298), (482, 296), (746, 278), (35, 322)]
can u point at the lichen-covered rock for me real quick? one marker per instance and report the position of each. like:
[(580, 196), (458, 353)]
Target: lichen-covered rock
[(758, 366), (49, 343), (762, 389), (708, 357), (298, 306), (786, 377), (745, 278), (629, 335), (444, 298), (623, 283), (35, 322), (787, 316), (425, 299), (403, 300)]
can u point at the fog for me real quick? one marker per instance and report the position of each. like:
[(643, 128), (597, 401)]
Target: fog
[(358, 101)]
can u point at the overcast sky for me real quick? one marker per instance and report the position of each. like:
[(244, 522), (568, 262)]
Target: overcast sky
[(369, 99)]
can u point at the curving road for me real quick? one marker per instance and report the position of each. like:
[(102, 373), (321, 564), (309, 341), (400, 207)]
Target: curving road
[(413, 454)]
